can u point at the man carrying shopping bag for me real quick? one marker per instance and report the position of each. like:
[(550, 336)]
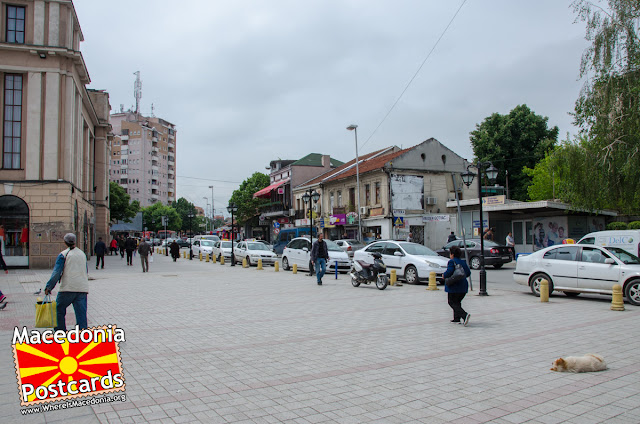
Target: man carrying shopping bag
[(71, 271)]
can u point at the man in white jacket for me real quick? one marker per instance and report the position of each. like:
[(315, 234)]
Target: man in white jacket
[(71, 271)]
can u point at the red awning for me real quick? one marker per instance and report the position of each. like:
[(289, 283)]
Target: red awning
[(266, 192)]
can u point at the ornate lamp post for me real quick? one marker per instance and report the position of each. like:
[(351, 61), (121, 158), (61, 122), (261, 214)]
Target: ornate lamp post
[(307, 197), (467, 178), (190, 216), (232, 208)]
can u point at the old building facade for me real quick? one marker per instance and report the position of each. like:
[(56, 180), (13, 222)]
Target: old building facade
[(55, 135)]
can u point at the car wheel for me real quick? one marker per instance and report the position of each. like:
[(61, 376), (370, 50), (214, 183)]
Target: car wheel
[(411, 274), (474, 262), (534, 283), (571, 294), (285, 263), (248, 261), (497, 266), (632, 292)]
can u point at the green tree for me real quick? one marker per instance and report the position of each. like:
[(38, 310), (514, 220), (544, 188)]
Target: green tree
[(512, 142), (248, 206), (152, 217), (608, 110), (120, 205), (184, 208)]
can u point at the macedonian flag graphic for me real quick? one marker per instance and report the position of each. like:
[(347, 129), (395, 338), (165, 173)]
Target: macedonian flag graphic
[(82, 364)]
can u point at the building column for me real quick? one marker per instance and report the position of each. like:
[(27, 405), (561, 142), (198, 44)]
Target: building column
[(34, 114), (38, 22), (51, 126)]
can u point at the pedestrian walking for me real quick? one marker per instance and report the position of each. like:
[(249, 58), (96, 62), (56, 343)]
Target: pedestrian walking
[(451, 237), (175, 250), (456, 291), (319, 257), (3, 298), (121, 246), (130, 246), (113, 247), (100, 249), (144, 249), (72, 273)]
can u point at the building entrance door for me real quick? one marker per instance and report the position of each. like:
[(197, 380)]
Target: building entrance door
[(523, 236)]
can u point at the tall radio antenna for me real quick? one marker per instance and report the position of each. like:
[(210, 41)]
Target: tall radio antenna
[(137, 91)]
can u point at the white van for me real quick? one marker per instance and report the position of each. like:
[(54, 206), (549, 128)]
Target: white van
[(628, 240)]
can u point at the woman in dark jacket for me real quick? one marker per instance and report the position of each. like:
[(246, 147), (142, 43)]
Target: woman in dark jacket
[(458, 290), (175, 250)]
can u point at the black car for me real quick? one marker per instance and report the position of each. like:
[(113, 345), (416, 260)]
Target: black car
[(495, 254), (182, 243)]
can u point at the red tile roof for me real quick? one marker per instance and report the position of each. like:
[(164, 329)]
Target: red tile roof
[(369, 165)]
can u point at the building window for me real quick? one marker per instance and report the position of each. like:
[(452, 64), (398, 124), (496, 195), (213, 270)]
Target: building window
[(367, 194), (12, 131), (15, 24), (377, 193), (331, 201), (339, 198), (352, 196)]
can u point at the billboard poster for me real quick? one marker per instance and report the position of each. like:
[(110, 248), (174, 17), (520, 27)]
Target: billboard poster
[(549, 231), (407, 192)]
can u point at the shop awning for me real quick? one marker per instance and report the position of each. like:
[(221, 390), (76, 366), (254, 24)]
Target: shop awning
[(266, 192)]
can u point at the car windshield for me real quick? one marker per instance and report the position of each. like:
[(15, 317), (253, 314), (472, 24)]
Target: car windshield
[(624, 256), (332, 246), (207, 243), (353, 241), (256, 246), (226, 244), (212, 238), (417, 249)]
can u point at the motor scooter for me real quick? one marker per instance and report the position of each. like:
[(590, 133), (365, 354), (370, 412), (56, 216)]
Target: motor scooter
[(364, 273)]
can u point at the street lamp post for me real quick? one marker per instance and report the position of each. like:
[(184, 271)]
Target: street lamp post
[(354, 128), (213, 227), (467, 178), (307, 197), (206, 211), (190, 216), (232, 208)]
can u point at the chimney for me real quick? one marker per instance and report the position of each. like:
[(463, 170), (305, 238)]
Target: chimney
[(326, 161)]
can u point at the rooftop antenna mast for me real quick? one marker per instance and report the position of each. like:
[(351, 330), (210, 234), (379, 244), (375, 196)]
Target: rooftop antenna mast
[(137, 91)]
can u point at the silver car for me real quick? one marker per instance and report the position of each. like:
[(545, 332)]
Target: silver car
[(349, 246)]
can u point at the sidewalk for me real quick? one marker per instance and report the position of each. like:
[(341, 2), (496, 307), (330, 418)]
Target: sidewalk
[(214, 344)]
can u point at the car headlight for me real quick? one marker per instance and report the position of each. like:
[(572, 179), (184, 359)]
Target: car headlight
[(434, 265)]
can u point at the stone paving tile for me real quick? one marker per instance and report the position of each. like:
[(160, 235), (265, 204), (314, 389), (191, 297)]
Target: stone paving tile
[(210, 343)]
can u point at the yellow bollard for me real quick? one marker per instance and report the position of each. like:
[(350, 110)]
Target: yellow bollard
[(259, 263), (544, 291), (433, 285), (200, 256), (221, 260), (295, 269), (276, 266), (244, 263), (184, 254), (616, 301), (394, 277), (213, 258), (207, 258)]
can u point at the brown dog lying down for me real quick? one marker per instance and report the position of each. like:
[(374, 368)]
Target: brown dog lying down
[(587, 363)]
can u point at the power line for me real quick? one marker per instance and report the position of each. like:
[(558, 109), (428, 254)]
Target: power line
[(414, 75)]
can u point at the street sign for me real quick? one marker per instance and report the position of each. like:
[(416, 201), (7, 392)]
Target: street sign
[(276, 224), (399, 212), (493, 200), (398, 222)]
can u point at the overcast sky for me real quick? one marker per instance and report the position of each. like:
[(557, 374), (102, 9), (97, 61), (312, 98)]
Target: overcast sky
[(249, 81)]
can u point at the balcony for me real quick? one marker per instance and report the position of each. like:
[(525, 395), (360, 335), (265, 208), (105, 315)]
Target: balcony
[(171, 172), (155, 167), (155, 149), (274, 209), (171, 145), (154, 196), (124, 166), (154, 183), (171, 159)]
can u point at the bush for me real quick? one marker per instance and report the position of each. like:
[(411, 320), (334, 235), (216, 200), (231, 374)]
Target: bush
[(617, 226), (634, 225)]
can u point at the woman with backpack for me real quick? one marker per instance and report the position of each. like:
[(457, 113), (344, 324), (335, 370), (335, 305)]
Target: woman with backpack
[(456, 285)]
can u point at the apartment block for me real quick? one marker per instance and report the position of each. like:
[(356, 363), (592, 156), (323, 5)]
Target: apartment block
[(143, 157)]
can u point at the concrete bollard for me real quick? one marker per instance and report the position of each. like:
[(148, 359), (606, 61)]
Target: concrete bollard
[(544, 291), (259, 263), (616, 301), (207, 257), (221, 260), (184, 254), (276, 266), (294, 269), (433, 285), (393, 278), (200, 256), (213, 258), (244, 263)]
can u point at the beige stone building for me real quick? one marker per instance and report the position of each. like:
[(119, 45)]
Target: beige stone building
[(143, 157), (55, 135)]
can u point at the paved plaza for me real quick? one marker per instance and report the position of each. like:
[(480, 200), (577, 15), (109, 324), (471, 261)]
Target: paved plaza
[(215, 344)]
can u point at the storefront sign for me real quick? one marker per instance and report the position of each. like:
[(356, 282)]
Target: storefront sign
[(376, 211), (303, 222), (493, 200), (435, 218), (283, 220), (351, 217), (338, 219)]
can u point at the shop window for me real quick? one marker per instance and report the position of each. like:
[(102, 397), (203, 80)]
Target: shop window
[(14, 231)]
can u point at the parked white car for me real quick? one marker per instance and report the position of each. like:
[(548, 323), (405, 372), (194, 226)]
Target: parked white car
[(413, 262), (254, 250), (575, 269), (298, 251), (223, 248), (349, 245), (202, 246)]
